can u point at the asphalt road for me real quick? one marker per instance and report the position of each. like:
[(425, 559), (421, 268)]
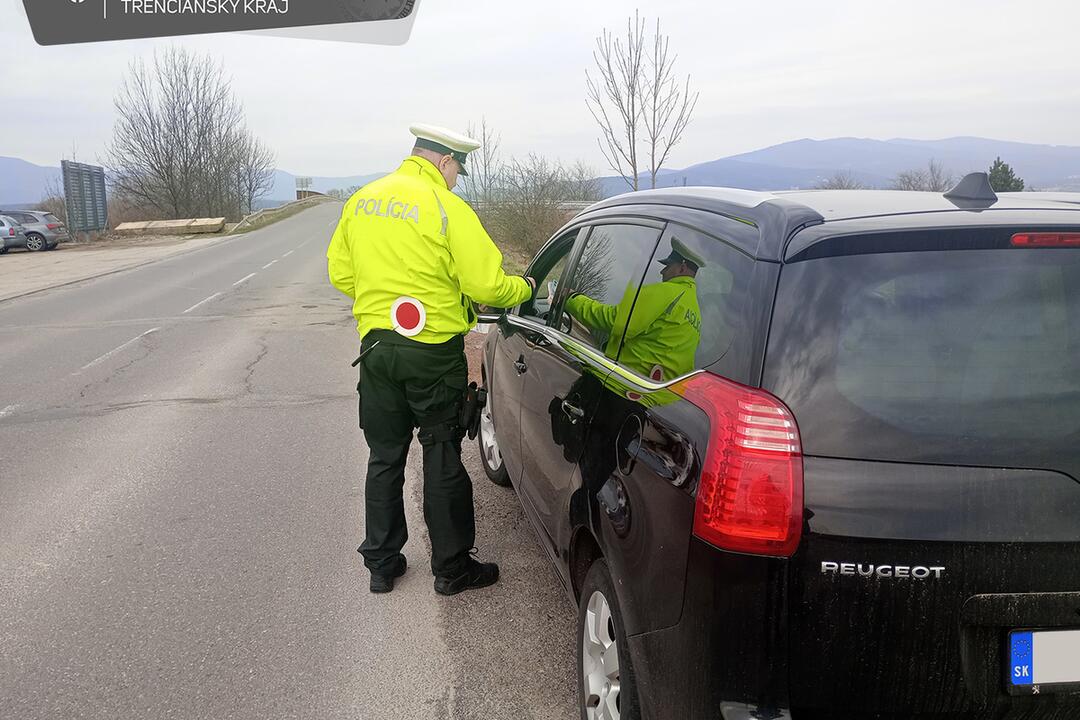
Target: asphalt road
[(181, 494)]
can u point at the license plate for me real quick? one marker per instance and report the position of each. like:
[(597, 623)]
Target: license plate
[(1044, 660)]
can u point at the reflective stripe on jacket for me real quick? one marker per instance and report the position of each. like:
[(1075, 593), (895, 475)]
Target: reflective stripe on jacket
[(406, 234)]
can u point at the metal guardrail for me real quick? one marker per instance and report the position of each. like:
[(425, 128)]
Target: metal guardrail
[(314, 200)]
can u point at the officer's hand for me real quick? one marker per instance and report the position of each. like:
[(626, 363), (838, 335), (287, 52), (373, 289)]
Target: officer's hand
[(532, 284)]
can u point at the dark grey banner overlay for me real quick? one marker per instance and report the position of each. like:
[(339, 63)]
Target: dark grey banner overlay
[(60, 22)]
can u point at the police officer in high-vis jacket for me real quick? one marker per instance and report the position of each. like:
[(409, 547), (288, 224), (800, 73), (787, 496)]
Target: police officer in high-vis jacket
[(414, 258)]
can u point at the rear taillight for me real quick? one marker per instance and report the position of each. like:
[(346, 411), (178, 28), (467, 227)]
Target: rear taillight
[(750, 495), (1043, 239), (11, 232), (53, 226)]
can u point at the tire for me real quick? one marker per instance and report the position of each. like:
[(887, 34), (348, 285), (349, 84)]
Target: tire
[(35, 242), (606, 691), (490, 456)]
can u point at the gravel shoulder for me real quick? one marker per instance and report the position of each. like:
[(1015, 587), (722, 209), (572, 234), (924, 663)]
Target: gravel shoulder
[(23, 273)]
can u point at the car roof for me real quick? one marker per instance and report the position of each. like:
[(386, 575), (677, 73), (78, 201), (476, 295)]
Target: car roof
[(781, 214)]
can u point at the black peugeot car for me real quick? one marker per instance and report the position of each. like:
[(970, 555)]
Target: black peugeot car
[(805, 455)]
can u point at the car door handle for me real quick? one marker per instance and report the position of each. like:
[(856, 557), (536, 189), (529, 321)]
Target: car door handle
[(520, 365), (572, 411)]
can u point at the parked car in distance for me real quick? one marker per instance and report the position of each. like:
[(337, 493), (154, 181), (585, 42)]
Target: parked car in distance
[(11, 234), (805, 456), (44, 231)]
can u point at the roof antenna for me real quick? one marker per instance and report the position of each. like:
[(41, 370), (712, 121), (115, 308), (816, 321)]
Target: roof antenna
[(974, 190)]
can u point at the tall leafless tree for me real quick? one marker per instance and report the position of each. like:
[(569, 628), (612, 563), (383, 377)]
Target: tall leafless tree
[(254, 171), (481, 184), (667, 103), (613, 96), (639, 103), (180, 147)]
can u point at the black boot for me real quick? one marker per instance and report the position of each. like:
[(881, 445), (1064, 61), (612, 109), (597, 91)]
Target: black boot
[(384, 583), (476, 575)]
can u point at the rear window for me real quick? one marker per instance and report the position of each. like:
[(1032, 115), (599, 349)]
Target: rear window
[(968, 357), (50, 218)]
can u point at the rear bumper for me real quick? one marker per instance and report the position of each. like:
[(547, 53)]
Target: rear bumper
[(735, 654), (905, 648), (726, 658)]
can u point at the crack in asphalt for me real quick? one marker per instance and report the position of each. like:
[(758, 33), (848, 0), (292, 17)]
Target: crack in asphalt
[(264, 348), (147, 346)]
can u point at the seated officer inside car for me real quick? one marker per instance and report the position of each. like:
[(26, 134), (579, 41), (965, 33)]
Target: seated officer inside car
[(664, 329)]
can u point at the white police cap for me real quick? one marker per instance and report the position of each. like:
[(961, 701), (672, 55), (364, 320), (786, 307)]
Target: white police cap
[(444, 141)]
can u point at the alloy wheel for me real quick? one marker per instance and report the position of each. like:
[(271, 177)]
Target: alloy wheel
[(35, 242), (600, 660), (488, 443)]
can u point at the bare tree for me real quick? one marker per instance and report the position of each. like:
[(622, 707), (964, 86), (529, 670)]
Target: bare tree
[(938, 179), (580, 184), (593, 273), (481, 184), (528, 209), (180, 147), (613, 96), (254, 171), (53, 200), (667, 103), (841, 180), (530, 200), (640, 105), (933, 178)]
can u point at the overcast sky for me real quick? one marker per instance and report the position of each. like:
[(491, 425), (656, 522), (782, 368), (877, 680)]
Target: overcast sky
[(767, 73)]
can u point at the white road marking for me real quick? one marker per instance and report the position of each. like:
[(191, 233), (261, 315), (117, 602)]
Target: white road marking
[(244, 279), (112, 352), (287, 254), (333, 223), (8, 410), (200, 303), (268, 264)]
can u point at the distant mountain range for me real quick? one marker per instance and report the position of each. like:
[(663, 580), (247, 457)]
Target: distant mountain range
[(791, 165), (805, 163)]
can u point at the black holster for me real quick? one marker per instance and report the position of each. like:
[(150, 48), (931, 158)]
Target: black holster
[(473, 403)]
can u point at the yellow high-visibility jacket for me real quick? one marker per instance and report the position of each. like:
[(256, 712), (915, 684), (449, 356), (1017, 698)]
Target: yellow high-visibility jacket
[(407, 235), (664, 329)]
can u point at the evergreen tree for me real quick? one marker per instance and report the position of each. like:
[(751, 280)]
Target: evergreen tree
[(1003, 179)]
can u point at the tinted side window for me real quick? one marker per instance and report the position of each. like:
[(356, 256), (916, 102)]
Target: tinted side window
[(604, 283), (690, 308), (547, 269)]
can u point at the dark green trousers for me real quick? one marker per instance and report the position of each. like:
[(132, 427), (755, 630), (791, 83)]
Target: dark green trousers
[(405, 384)]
